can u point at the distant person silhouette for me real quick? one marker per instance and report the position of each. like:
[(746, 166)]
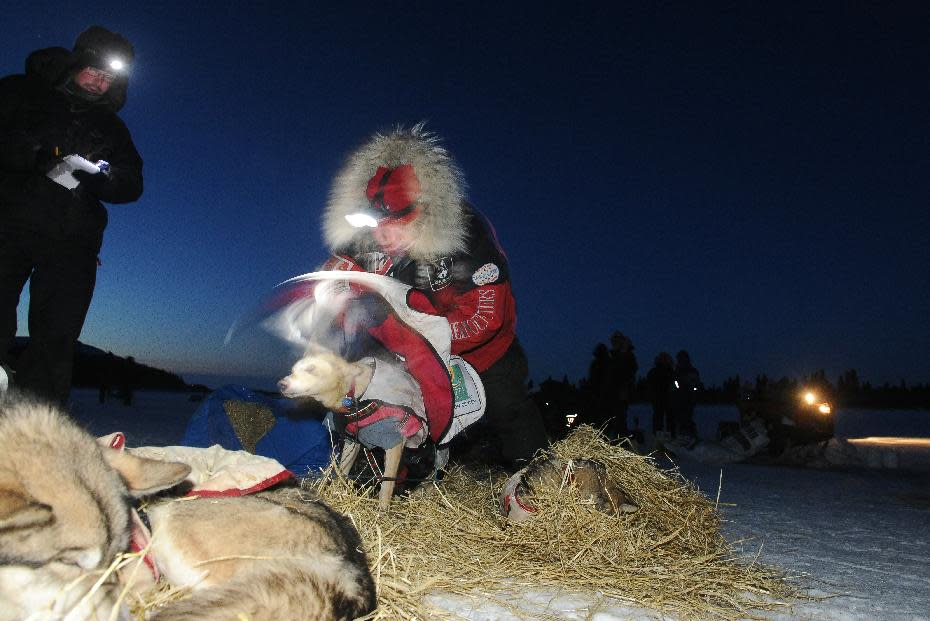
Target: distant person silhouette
[(596, 390), (128, 380), (620, 380), (659, 384), (106, 376), (687, 383)]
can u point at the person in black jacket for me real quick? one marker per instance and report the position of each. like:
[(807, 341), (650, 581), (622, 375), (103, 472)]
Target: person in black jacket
[(659, 383), (597, 390), (620, 381), (686, 385), (51, 231)]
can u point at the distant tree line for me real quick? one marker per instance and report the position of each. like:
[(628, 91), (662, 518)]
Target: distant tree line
[(114, 371), (847, 391), (96, 368)]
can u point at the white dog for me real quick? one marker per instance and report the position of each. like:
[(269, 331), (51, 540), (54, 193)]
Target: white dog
[(379, 400)]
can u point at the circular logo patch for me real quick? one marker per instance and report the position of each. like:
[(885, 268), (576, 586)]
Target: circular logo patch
[(486, 274)]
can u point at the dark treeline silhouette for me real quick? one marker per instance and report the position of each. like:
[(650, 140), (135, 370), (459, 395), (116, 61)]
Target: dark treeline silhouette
[(854, 393), (556, 397), (96, 368), (847, 391)]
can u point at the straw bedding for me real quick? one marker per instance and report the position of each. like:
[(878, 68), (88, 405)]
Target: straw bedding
[(449, 540)]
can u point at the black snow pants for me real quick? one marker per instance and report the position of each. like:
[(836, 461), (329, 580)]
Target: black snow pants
[(62, 275), (512, 425)]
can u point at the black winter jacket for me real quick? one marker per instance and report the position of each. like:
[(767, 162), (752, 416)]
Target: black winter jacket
[(41, 118)]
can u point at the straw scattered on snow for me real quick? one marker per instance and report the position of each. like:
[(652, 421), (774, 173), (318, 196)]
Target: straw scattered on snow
[(448, 538)]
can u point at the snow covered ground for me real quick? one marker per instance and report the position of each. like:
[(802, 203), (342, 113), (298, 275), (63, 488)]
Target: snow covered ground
[(862, 535)]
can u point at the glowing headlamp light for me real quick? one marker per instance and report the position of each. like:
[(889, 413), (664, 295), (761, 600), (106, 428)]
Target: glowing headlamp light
[(368, 217), (378, 212), (116, 64)]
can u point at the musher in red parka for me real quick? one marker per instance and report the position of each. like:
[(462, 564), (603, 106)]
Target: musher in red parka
[(397, 208)]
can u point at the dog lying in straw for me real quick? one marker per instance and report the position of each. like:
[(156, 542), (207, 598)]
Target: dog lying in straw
[(549, 475), (65, 526)]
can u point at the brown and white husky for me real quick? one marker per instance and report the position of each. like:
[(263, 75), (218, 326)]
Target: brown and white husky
[(65, 517)]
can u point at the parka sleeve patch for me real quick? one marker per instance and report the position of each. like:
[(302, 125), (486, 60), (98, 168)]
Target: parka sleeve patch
[(486, 274)]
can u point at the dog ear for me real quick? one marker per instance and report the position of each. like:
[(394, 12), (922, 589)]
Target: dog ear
[(17, 508), (146, 476)]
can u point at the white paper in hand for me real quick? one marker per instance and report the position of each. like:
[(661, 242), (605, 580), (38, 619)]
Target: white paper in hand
[(61, 174)]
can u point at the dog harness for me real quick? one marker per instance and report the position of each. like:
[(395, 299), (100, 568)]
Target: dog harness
[(376, 418)]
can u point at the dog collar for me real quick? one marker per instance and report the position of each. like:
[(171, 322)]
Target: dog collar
[(349, 401), (141, 537)]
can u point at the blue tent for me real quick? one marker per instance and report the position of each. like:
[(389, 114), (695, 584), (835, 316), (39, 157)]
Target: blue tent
[(302, 444)]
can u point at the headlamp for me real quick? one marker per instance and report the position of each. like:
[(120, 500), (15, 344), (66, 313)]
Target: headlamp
[(109, 61), (359, 219)]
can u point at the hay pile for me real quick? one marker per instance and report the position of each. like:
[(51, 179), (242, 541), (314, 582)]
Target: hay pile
[(449, 538), (250, 421)]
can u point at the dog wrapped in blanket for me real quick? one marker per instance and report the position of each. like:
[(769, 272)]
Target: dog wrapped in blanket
[(66, 519), (411, 392)]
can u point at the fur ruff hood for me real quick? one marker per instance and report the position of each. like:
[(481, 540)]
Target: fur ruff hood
[(440, 227)]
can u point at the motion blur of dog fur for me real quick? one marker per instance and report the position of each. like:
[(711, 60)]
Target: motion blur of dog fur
[(325, 377), (65, 518)]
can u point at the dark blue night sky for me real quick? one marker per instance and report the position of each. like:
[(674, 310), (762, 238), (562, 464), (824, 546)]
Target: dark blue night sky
[(747, 181)]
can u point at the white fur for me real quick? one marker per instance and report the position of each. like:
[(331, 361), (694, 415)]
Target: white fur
[(439, 228), (326, 377), (27, 594)]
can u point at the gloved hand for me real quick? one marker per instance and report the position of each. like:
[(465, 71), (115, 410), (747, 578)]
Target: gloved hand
[(95, 183)]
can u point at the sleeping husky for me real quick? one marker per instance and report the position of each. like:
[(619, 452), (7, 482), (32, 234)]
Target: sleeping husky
[(65, 518)]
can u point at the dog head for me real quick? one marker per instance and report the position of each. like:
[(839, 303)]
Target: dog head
[(320, 375), (64, 514), (549, 475)]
